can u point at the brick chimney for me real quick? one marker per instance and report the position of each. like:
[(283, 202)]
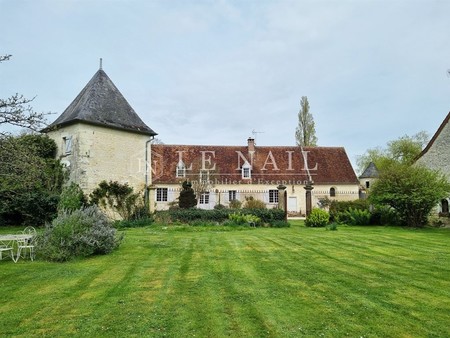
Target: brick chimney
[(251, 144)]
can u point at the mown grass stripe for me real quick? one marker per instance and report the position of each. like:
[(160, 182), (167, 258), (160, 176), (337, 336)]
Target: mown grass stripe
[(214, 282)]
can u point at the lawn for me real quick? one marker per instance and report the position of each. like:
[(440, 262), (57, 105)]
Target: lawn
[(220, 282)]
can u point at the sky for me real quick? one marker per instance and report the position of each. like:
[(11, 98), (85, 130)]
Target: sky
[(217, 72)]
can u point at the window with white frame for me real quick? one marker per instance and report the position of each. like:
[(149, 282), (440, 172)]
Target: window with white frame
[(161, 194), (273, 196), (246, 170), (232, 195), (67, 144), (204, 198), (181, 169), (204, 176)]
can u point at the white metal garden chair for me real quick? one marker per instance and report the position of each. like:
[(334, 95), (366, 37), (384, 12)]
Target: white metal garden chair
[(26, 244), (4, 248)]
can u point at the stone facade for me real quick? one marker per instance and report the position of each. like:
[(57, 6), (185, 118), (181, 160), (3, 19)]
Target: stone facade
[(96, 153), (101, 137), (268, 193), (436, 156)]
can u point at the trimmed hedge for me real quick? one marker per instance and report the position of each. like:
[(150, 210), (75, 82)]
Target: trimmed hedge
[(217, 215)]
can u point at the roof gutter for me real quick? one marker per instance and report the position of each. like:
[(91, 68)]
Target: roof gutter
[(147, 167)]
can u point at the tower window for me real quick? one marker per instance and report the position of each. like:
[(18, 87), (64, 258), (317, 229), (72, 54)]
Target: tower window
[(67, 144)]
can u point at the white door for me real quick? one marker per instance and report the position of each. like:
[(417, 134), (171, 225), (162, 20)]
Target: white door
[(292, 204)]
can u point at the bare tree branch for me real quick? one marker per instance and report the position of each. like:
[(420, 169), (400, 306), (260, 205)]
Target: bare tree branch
[(16, 111), (4, 57)]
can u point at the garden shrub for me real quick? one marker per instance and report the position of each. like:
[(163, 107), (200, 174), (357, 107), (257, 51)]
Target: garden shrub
[(187, 197), (336, 207), (436, 221), (268, 216), (219, 206), (72, 198), (359, 216), (354, 217), (317, 218), (244, 219), (28, 208), (251, 203), (79, 233), (118, 197), (235, 204), (384, 215)]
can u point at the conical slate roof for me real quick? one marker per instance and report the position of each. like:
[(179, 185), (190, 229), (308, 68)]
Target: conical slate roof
[(101, 103), (370, 172)]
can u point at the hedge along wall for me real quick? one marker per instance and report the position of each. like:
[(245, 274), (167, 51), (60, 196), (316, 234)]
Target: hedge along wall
[(221, 215)]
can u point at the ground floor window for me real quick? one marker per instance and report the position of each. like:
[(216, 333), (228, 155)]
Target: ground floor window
[(161, 194), (332, 192), (273, 196), (204, 198), (232, 194)]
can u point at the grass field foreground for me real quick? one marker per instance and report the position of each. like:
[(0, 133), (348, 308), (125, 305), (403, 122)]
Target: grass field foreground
[(219, 282)]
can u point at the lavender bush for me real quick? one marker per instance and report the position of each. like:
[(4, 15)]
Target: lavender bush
[(79, 233)]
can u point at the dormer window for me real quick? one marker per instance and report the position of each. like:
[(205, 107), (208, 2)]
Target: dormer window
[(204, 176), (246, 170), (181, 169)]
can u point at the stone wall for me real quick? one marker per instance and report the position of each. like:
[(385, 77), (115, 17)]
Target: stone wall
[(296, 200), (99, 153), (438, 155)]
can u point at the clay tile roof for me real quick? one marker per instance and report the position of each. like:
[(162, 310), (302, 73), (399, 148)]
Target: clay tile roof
[(327, 165), (101, 103), (370, 172)]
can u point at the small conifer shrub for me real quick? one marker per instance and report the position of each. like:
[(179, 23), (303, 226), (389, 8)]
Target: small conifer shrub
[(187, 197)]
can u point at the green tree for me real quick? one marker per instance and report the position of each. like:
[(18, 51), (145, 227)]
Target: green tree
[(187, 197), (305, 133), (412, 190), (404, 150), (30, 179)]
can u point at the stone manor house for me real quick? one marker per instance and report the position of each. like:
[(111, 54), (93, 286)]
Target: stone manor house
[(100, 137)]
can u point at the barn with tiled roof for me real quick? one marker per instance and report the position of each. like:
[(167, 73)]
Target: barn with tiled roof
[(220, 174)]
